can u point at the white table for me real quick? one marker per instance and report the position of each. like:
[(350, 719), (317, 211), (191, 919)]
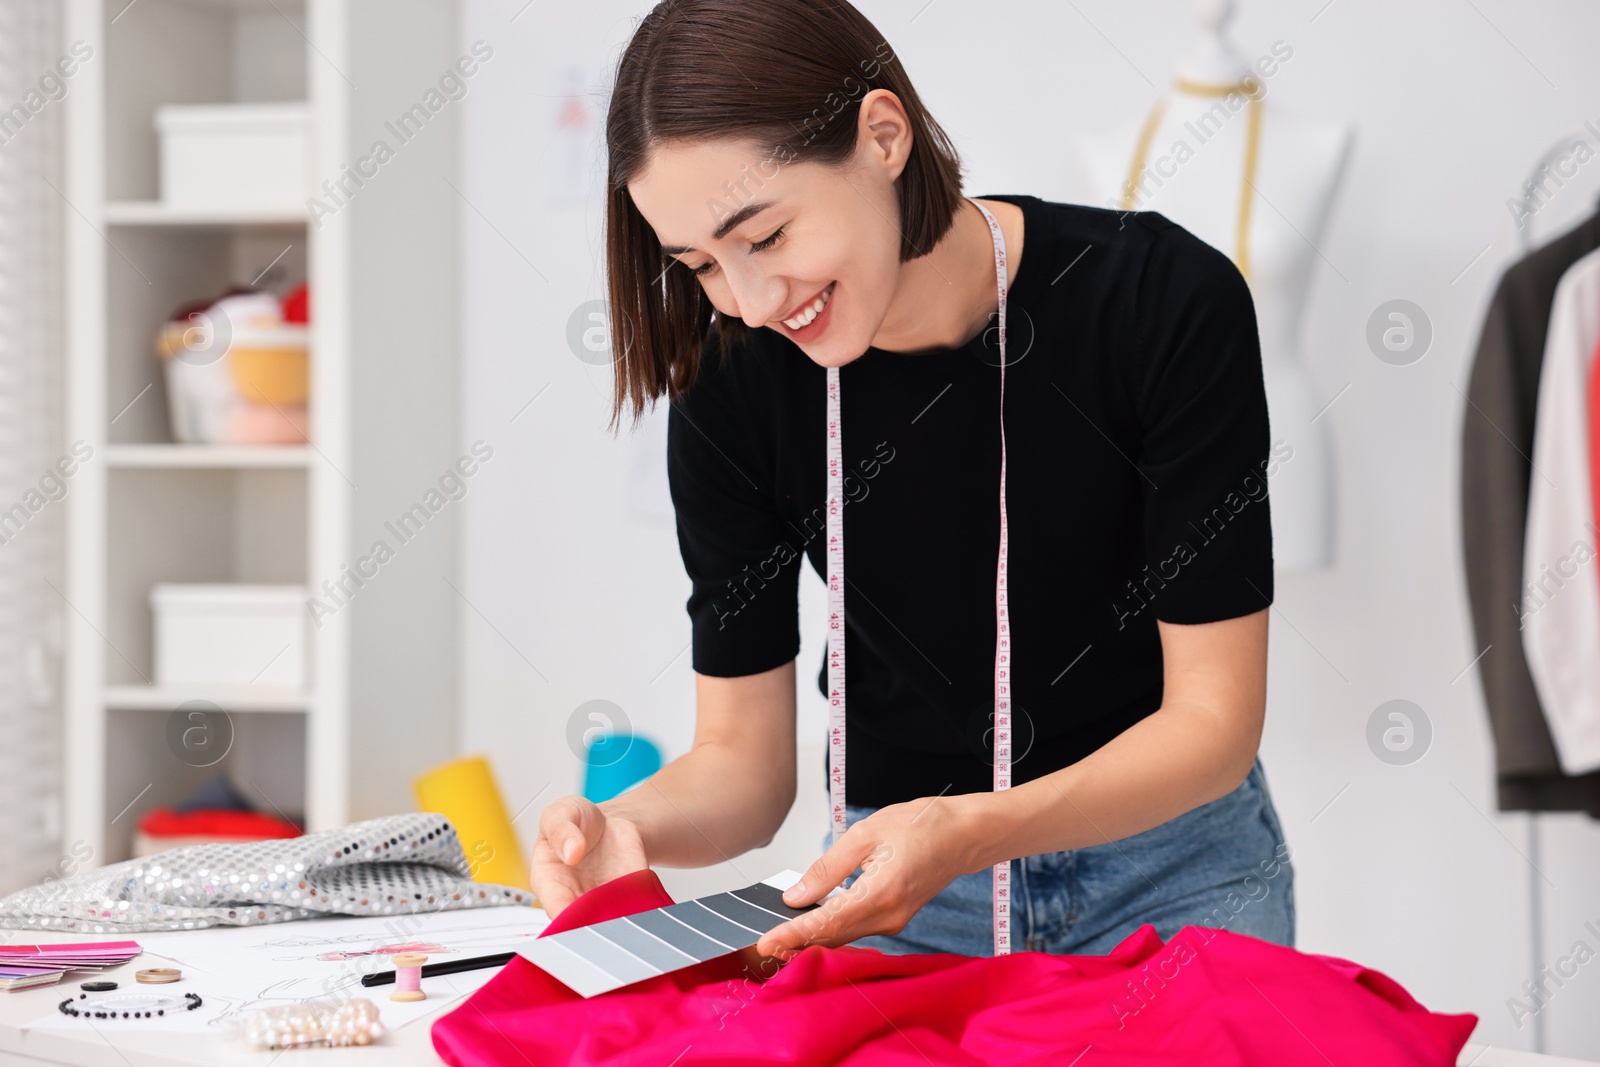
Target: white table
[(106, 1047), (410, 1044)]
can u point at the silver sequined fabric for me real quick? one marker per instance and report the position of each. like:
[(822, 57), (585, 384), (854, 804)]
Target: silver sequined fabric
[(393, 865)]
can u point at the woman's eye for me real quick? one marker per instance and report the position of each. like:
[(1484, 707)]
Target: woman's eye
[(760, 246)]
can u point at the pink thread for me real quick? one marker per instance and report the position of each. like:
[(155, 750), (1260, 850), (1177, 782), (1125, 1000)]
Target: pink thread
[(408, 976)]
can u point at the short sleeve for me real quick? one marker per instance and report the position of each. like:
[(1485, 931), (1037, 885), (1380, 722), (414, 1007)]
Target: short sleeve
[(744, 601), (1205, 451)]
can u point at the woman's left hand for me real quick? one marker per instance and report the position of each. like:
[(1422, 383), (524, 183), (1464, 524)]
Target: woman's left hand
[(907, 854)]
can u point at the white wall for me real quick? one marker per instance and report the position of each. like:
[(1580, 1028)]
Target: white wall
[(576, 590), (404, 370)]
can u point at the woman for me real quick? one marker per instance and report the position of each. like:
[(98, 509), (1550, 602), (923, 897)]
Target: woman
[(775, 211)]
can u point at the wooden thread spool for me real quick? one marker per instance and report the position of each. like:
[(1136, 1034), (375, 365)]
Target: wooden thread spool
[(408, 976)]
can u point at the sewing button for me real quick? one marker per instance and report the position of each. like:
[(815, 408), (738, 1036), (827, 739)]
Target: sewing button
[(158, 975), (98, 987)]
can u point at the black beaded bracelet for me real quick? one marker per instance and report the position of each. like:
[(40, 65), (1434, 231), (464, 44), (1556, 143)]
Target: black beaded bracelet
[(97, 1010)]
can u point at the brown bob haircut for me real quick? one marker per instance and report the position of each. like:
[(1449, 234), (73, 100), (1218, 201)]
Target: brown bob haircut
[(787, 75)]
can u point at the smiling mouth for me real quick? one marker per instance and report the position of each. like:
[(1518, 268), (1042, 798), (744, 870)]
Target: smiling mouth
[(810, 310)]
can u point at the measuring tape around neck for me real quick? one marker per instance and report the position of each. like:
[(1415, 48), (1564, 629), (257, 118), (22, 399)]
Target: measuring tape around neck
[(1002, 651)]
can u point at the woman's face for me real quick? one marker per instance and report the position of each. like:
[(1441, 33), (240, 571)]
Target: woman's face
[(818, 235)]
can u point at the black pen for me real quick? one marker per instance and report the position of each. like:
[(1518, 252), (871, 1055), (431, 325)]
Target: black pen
[(430, 970)]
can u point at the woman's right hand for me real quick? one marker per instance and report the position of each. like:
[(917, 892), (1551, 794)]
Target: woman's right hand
[(580, 847)]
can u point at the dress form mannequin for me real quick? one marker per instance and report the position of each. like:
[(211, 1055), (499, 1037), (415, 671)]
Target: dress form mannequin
[(1199, 185)]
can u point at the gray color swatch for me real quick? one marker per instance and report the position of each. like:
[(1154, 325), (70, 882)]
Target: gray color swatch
[(568, 967), (660, 955), (744, 914), (608, 956), (677, 935), (619, 952), (714, 926), (770, 898)]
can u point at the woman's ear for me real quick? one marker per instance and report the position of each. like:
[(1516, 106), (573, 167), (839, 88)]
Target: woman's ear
[(884, 134)]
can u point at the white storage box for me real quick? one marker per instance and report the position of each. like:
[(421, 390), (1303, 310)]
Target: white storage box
[(241, 157), (230, 634)]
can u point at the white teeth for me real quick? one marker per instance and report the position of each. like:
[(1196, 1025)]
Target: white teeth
[(802, 320)]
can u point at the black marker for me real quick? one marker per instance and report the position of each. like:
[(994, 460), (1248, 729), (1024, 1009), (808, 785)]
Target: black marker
[(431, 970)]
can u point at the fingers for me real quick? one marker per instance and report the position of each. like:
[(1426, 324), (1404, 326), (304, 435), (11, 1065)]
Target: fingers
[(552, 881), (842, 917), (840, 920), (572, 826), (830, 869), (568, 829), (553, 896), (782, 941), (578, 848)]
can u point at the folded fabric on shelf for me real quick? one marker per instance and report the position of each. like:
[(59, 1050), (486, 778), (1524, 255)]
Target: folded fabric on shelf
[(219, 822), (398, 864), (1205, 996)]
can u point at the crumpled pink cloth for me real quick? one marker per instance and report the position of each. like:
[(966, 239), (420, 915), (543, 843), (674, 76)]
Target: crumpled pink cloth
[(1205, 997)]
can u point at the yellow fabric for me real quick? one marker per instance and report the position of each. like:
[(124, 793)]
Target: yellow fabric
[(464, 792)]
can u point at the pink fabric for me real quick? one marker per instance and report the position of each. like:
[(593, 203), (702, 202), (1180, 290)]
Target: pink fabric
[(1206, 996)]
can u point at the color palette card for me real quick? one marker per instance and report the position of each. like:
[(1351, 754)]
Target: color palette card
[(618, 952), (29, 965), (82, 953)]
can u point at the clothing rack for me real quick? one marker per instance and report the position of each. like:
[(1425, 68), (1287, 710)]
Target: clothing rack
[(1535, 889)]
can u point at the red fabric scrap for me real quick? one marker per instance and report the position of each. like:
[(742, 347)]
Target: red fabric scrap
[(164, 822)]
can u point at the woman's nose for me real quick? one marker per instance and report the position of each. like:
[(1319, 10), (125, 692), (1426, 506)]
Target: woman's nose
[(758, 296)]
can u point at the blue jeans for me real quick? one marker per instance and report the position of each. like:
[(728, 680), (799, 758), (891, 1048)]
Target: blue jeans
[(1224, 865)]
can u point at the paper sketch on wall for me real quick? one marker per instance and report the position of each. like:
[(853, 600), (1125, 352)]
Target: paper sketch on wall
[(571, 156)]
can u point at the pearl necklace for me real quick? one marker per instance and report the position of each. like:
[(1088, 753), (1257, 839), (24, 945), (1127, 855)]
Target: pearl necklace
[(355, 1022)]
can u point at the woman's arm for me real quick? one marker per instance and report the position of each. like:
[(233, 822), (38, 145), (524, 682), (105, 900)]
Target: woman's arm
[(732, 790), (1198, 746)]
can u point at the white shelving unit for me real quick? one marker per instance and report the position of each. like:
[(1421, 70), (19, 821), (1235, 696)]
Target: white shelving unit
[(155, 213), (146, 510), (240, 456), (236, 698)]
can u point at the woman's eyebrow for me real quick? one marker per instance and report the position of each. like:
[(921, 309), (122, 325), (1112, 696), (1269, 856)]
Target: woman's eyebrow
[(755, 207)]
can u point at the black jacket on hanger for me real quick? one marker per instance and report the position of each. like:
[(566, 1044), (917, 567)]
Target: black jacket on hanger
[(1496, 446)]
